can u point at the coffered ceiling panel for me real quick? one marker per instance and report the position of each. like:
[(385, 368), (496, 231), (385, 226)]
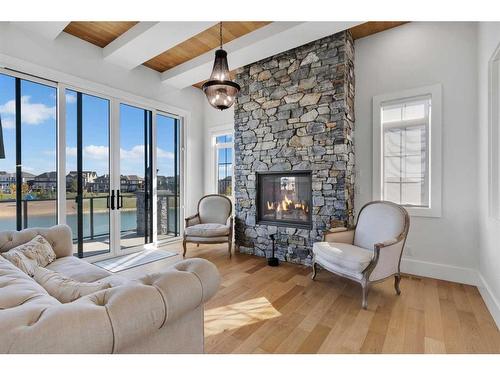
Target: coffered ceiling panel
[(99, 33), (202, 43)]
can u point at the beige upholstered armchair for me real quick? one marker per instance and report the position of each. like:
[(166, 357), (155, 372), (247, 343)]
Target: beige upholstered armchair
[(212, 224), (369, 252)]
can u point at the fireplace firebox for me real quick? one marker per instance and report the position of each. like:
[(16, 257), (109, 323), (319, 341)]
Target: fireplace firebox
[(284, 198)]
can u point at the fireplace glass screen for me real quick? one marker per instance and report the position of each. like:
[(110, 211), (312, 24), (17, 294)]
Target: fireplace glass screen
[(284, 198)]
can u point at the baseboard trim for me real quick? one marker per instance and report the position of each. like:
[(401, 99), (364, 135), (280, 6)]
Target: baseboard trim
[(489, 299), (440, 271)]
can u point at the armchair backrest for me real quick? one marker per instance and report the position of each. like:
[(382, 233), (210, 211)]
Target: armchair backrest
[(214, 208), (380, 221)]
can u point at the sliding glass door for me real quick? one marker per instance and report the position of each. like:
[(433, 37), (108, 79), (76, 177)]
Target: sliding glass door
[(168, 135), (88, 199), (28, 165), (136, 190)]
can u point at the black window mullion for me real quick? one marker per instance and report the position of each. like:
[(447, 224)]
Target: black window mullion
[(150, 174), (79, 168), (146, 203), (19, 174)]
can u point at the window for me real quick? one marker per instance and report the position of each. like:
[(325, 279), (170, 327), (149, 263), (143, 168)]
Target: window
[(224, 164), (407, 150), (28, 171), (111, 168)]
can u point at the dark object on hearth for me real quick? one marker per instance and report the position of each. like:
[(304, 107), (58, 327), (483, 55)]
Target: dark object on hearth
[(273, 261)]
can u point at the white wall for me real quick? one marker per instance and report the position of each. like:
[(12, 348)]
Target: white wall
[(409, 56), (489, 228), (80, 59), (214, 120)]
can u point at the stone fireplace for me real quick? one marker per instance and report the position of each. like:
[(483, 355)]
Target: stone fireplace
[(294, 154)]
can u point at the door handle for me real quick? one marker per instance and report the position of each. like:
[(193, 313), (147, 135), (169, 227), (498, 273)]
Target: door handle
[(112, 199), (119, 199)]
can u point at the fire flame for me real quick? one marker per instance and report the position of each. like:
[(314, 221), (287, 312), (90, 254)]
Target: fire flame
[(286, 204)]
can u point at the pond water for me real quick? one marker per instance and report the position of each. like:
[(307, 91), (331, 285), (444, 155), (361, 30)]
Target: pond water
[(101, 222)]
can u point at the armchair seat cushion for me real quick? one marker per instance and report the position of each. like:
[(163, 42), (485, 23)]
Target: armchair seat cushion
[(352, 258), (207, 230)]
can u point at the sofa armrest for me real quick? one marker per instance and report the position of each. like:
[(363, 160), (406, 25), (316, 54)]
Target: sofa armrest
[(139, 308), (199, 277), (342, 234)]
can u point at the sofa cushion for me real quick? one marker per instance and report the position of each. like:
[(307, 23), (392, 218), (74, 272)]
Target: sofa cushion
[(350, 257), (78, 269), (17, 288), (64, 288), (207, 230)]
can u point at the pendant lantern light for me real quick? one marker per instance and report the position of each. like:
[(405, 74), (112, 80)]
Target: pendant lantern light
[(220, 90)]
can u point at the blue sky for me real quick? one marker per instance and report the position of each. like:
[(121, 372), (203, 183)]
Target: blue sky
[(39, 132)]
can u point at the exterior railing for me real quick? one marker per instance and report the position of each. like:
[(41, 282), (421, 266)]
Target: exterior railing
[(93, 206)]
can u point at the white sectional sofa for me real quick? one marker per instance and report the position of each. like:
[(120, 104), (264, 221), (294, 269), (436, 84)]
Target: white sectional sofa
[(159, 313)]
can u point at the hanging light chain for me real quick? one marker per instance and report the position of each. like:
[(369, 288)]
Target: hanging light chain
[(220, 34)]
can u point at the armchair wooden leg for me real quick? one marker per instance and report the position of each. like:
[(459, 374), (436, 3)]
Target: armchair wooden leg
[(229, 246), (197, 245), (364, 303), (397, 280), (314, 271), (184, 246)]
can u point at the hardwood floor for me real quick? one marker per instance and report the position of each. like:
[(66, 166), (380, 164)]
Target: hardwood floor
[(260, 309)]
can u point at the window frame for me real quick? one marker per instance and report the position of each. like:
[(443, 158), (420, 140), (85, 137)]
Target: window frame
[(494, 135), (434, 130), (215, 157), (21, 220)]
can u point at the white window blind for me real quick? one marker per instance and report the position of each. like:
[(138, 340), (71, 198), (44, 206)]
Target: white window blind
[(406, 151)]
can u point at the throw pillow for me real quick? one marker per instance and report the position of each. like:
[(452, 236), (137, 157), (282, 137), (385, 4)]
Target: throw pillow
[(63, 288), (37, 250), (21, 261)]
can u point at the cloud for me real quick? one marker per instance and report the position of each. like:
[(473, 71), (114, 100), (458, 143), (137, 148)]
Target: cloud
[(71, 151), (70, 98), (8, 123), (137, 153), (31, 113), (102, 153), (164, 154), (95, 152)]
